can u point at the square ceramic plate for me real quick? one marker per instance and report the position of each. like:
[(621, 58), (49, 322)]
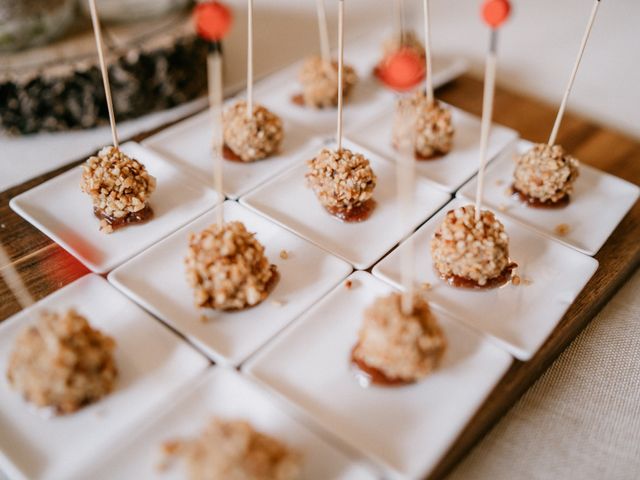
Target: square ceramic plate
[(519, 317), (189, 144), (405, 429), (225, 394), (156, 280), (598, 204), (450, 171), (61, 211), (153, 365), (361, 244)]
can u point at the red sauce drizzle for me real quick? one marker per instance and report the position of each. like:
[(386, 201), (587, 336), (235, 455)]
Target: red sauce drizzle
[(535, 203), (298, 99), (358, 214), (437, 155), (461, 282), (229, 154), (140, 216)]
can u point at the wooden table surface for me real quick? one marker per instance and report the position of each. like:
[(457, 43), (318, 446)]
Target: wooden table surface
[(44, 267)]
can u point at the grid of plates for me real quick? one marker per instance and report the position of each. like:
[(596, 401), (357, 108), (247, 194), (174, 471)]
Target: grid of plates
[(292, 351)]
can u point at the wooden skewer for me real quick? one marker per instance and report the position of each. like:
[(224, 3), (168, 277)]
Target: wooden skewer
[(13, 280), (340, 68), (214, 75), (487, 114), (249, 58), (565, 98), (105, 73), (427, 48), (405, 179), (400, 20), (323, 29)]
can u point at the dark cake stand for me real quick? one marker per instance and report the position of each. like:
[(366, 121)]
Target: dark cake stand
[(153, 65)]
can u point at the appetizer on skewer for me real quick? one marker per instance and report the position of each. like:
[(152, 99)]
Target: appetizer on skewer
[(342, 180), (319, 73), (62, 363), (233, 449), (395, 348), (544, 175), (250, 132), (119, 186)]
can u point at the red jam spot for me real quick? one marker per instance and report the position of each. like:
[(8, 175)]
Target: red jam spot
[(354, 215), (536, 203)]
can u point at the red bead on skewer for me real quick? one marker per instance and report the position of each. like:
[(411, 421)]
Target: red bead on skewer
[(402, 70), (213, 20), (495, 12)]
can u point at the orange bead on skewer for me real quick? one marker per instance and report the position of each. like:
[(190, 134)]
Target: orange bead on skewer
[(495, 12), (402, 70), (213, 20)]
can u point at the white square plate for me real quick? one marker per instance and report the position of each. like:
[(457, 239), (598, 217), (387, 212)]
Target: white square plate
[(189, 144), (61, 211), (156, 280), (598, 204), (452, 170), (519, 317), (153, 365), (406, 429), (226, 394), (287, 201)]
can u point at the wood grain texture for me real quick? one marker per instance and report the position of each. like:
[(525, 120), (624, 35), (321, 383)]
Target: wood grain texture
[(45, 268)]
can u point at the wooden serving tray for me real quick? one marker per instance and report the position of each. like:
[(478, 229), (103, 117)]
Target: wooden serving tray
[(44, 267)]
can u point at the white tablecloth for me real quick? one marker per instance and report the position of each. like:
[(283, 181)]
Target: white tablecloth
[(582, 418)]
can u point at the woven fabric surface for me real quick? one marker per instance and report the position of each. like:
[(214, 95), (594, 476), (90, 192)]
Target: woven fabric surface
[(581, 419)]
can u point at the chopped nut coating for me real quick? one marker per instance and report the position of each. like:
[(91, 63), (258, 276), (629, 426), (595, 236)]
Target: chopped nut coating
[(401, 346), (252, 138), (320, 82), (341, 180), (62, 362), (227, 268), (470, 249), (118, 185), (545, 173)]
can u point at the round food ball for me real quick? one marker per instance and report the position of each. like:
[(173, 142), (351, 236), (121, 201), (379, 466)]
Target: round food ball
[(227, 268), (433, 131), (473, 251), (545, 173), (253, 138), (403, 347), (233, 449), (342, 180), (320, 82), (119, 187), (62, 363)]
